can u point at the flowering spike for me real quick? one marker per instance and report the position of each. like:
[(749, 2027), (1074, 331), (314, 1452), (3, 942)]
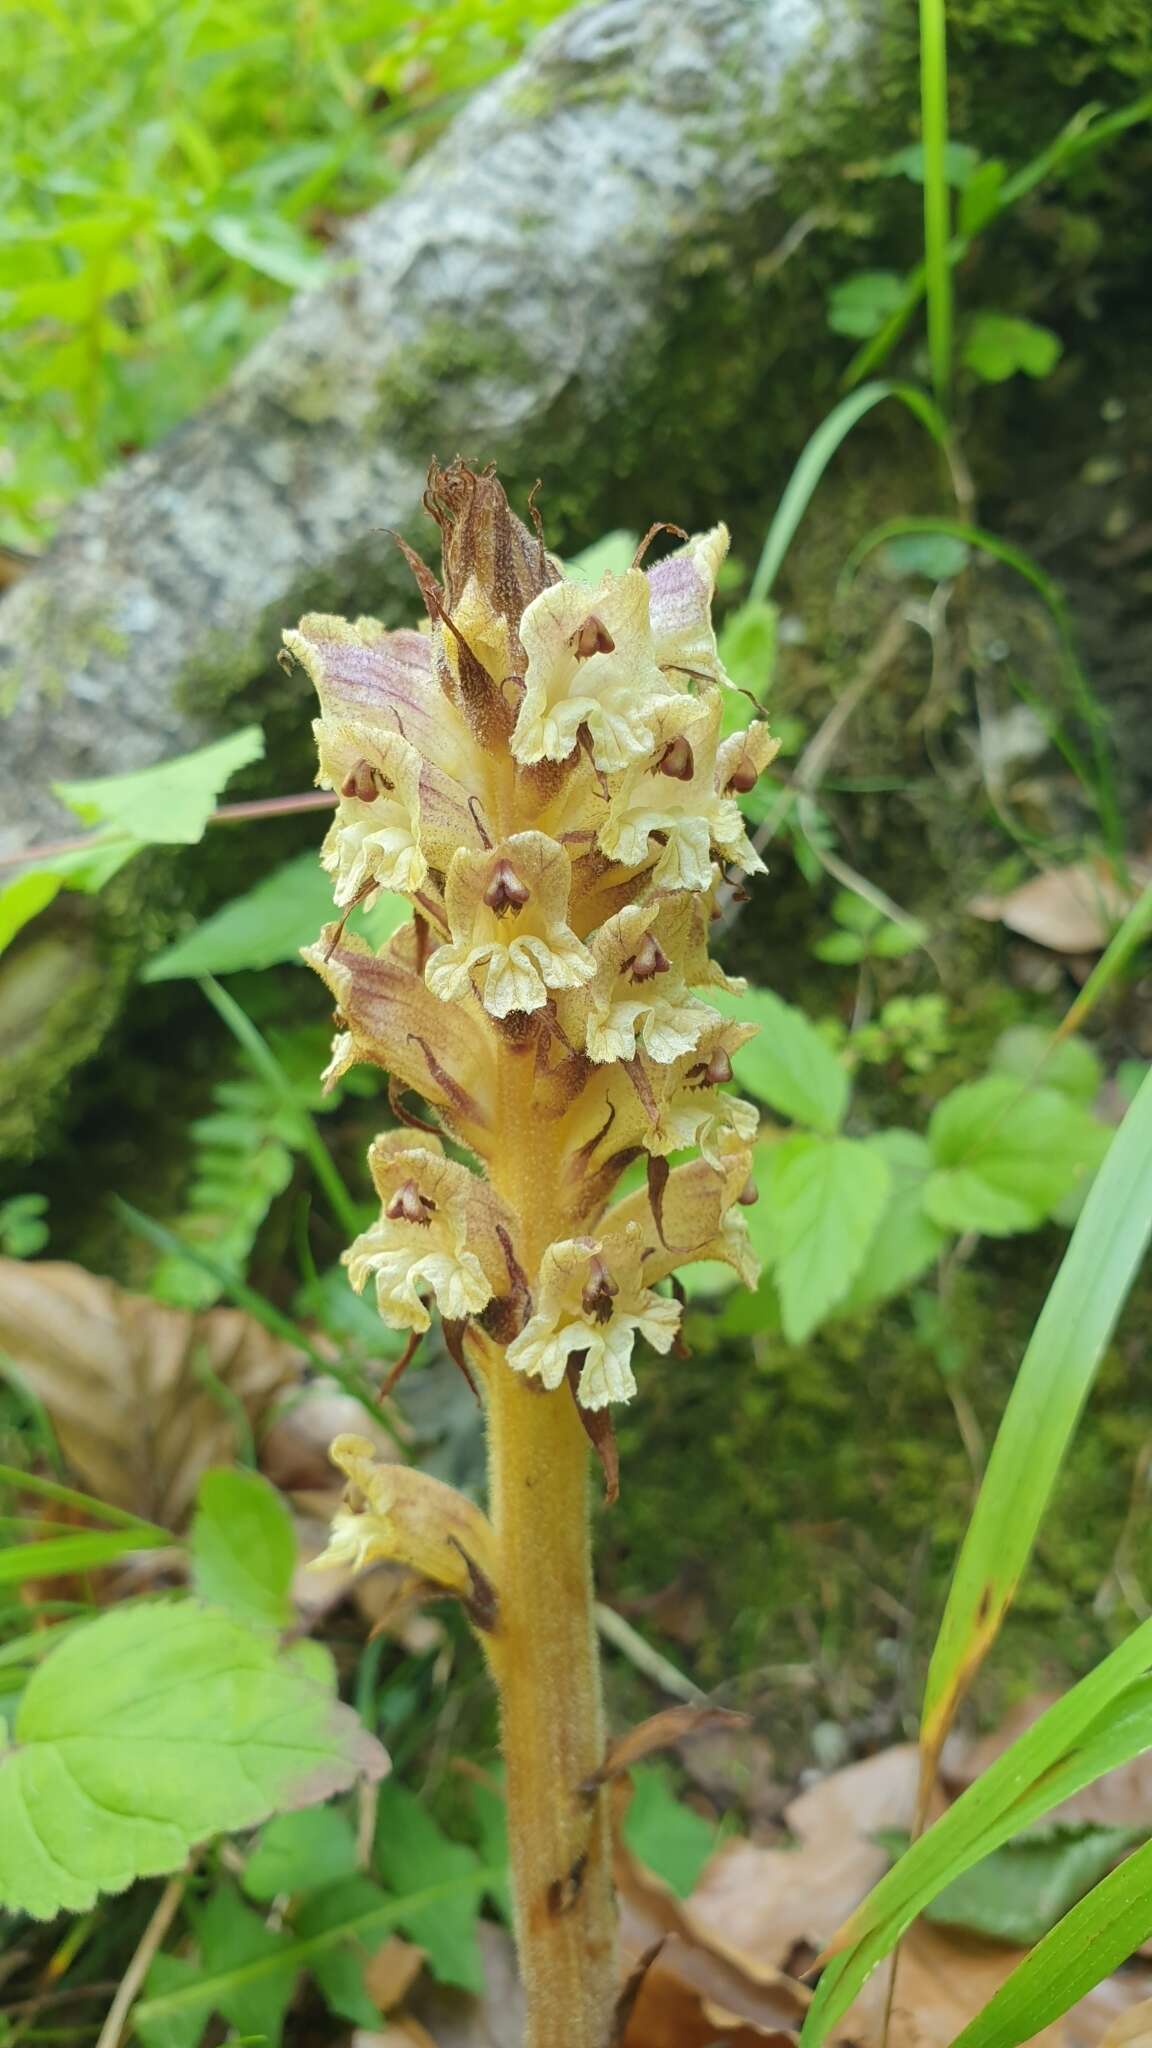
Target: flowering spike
[(541, 772)]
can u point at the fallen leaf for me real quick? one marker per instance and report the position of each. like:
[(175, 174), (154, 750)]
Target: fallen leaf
[(390, 1974), (661, 1731), (1122, 1798), (457, 2019), (1073, 909), (1133, 2029), (132, 1386)]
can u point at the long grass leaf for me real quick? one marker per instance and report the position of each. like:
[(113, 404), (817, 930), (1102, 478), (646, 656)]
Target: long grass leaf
[(937, 225), (1082, 693), (1081, 1950), (63, 1554), (1050, 1390), (71, 1497), (814, 458)]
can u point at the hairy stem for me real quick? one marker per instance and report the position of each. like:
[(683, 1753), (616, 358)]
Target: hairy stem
[(548, 1673)]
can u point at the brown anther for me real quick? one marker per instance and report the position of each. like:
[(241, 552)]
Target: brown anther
[(719, 1068), (744, 777), (677, 760), (408, 1205), (592, 637), (362, 782), (648, 960), (749, 1195), (505, 891), (600, 1291)]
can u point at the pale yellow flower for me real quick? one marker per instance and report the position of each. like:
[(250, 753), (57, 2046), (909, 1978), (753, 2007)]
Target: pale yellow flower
[(682, 792), (592, 1304), (680, 592), (507, 912), (430, 1238), (373, 842), (590, 667), (638, 997)]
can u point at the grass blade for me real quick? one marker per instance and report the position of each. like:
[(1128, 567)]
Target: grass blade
[(1053, 1382), (814, 458), (1125, 941), (70, 1497), (937, 225), (1082, 1949), (264, 1060), (59, 1555), (1083, 696)]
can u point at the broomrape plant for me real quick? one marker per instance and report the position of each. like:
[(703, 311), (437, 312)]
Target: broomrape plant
[(541, 773)]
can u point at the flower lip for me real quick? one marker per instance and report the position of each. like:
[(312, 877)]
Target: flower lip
[(600, 1291), (506, 891), (408, 1205)]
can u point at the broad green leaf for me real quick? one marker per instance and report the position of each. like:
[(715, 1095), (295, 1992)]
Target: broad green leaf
[(1068, 1064), (25, 898), (491, 1812), (272, 246), (664, 1833), (905, 1241), (961, 163), (269, 924), (170, 804), (411, 1855), (300, 1851), (1017, 1894), (860, 305), (980, 197), (1099, 1934), (789, 1065), (180, 2029), (85, 868), (1055, 1376), (339, 1969), (1004, 1155), (243, 1547), (822, 1199), (60, 1556), (996, 346), (170, 1724)]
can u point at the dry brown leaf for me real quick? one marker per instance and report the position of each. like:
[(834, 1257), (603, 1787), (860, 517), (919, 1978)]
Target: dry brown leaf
[(455, 2019), (1120, 1799), (662, 1731), (404, 2032), (1133, 2029), (1073, 909), (124, 1380)]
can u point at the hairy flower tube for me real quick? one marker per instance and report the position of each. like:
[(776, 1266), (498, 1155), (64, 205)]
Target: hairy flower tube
[(549, 773)]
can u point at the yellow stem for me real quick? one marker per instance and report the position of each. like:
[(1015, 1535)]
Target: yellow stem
[(544, 1651), (546, 1664)]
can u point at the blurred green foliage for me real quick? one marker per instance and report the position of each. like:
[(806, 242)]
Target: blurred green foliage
[(169, 171)]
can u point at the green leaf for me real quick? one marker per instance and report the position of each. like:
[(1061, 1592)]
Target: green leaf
[(61, 1556), (860, 305), (269, 924), (789, 1066), (996, 346), (230, 1935), (980, 198), (339, 1969), (411, 1855), (1069, 1065), (491, 1813), (1019, 1892), (664, 1833), (1099, 1934), (180, 2029), (936, 555), (272, 246), (169, 1724), (1005, 1156), (747, 648), (300, 1851), (1055, 1376), (612, 554), (960, 161), (841, 949), (906, 1241), (821, 1199), (168, 805), (25, 898), (243, 1547), (23, 1226)]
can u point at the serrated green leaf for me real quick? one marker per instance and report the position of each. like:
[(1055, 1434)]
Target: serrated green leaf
[(821, 1201), (243, 1547), (1004, 1155), (163, 1726), (230, 1935), (412, 1855), (180, 2029), (300, 1851), (339, 1969), (170, 804), (789, 1066), (1071, 1066), (665, 1834), (905, 1241), (860, 305)]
